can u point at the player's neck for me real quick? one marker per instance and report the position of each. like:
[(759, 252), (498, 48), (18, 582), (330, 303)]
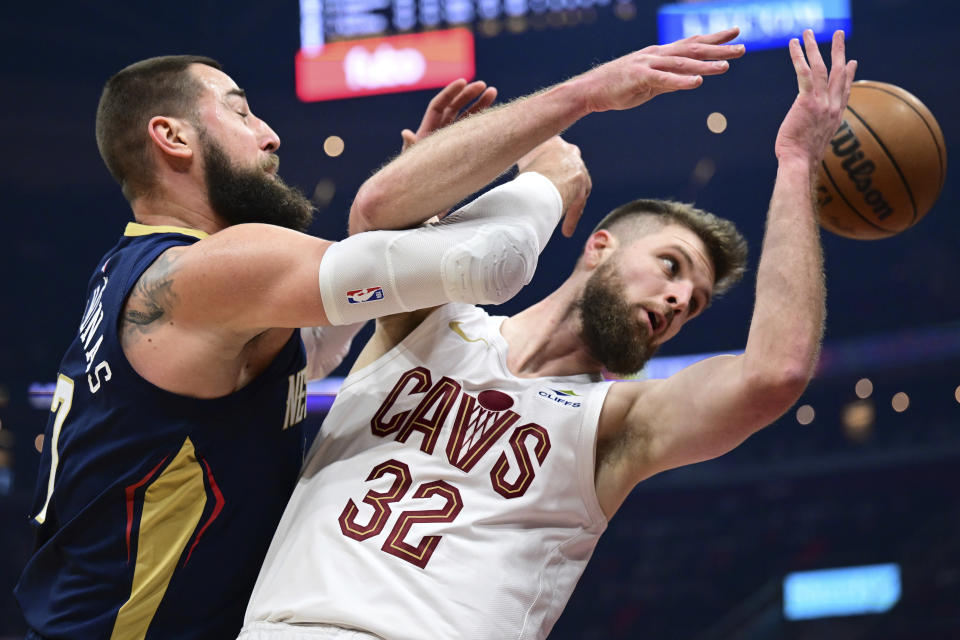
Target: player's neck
[(544, 339), (191, 211)]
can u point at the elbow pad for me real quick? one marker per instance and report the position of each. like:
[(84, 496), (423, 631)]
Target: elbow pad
[(482, 254)]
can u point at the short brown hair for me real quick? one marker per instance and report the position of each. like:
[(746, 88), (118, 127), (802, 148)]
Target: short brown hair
[(725, 245), (151, 87)]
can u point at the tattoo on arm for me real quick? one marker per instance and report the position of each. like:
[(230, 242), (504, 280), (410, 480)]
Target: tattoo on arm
[(151, 300)]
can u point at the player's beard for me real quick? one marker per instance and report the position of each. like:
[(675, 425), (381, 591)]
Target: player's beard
[(611, 329), (239, 194)]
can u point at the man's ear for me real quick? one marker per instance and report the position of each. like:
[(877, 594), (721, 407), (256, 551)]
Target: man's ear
[(174, 138), (600, 245)]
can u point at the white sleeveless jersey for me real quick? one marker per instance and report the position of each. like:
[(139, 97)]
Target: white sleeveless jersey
[(444, 497)]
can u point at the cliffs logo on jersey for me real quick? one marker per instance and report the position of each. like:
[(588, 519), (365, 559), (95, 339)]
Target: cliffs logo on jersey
[(364, 295), (478, 423), (563, 397)]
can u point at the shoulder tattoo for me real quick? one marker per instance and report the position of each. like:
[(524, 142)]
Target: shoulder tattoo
[(152, 298)]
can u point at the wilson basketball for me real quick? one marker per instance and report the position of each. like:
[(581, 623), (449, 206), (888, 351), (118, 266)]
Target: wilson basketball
[(884, 168)]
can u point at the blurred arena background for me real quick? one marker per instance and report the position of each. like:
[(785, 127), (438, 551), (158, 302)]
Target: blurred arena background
[(865, 471)]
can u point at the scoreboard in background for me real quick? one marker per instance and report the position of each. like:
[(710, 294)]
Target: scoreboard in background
[(338, 58), (763, 24), (369, 66), (355, 48)]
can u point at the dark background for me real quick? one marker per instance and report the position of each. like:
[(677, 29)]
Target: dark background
[(695, 553)]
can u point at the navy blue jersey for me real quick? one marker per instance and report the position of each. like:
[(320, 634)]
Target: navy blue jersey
[(153, 510)]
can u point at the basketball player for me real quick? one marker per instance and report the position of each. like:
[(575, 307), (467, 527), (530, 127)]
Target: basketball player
[(470, 463), (173, 441)]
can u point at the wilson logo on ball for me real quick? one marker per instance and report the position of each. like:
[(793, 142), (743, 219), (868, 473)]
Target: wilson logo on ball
[(859, 169), (885, 166)]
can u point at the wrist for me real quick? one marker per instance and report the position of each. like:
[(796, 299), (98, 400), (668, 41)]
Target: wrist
[(798, 165), (571, 98)]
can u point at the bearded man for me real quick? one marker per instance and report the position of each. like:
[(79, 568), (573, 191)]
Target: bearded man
[(175, 434), (174, 437), (470, 463)]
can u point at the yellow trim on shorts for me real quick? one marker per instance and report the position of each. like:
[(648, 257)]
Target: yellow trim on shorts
[(137, 229)]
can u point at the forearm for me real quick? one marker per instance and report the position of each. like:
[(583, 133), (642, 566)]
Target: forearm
[(481, 254), (787, 325), (454, 162)]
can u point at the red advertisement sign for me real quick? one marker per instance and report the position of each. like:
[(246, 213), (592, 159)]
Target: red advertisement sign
[(385, 65)]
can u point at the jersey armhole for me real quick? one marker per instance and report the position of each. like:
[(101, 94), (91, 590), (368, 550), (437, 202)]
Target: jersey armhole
[(587, 446), (426, 329)]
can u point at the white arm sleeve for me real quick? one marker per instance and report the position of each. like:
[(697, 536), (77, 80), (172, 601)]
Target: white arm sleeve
[(326, 347), (482, 254)]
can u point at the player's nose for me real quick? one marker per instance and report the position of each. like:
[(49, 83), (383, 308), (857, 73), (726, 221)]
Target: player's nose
[(678, 295), (269, 140)]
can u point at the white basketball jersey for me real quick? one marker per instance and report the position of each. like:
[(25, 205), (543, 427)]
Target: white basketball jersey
[(443, 498)]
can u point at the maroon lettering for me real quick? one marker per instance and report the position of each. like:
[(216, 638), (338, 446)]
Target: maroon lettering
[(380, 501), (421, 382), (419, 555), (395, 544), (473, 435), (498, 475), (439, 400)]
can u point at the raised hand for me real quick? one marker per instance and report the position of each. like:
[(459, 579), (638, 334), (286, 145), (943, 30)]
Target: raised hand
[(817, 112), (560, 161), (637, 77), (450, 105), (465, 156)]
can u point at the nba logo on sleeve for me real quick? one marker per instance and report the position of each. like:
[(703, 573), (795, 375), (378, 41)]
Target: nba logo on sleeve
[(365, 295)]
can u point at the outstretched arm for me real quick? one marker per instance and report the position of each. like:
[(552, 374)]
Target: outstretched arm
[(251, 277), (556, 160), (458, 160), (327, 346), (712, 406)]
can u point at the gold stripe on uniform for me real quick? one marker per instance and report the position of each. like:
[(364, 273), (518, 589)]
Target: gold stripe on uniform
[(172, 508), (137, 229)]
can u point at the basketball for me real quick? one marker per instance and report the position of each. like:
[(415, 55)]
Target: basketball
[(884, 168)]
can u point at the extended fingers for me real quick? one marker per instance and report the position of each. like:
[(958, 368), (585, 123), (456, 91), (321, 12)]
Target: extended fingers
[(838, 66), (800, 66), (841, 79), (433, 116), (575, 210), (572, 217), (710, 46), (851, 74), (665, 81), (717, 37), (689, 66), (486, 99), (446, 95), (817, 66), (445, 107), (838, 54), (698, 50), (466, 95)]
